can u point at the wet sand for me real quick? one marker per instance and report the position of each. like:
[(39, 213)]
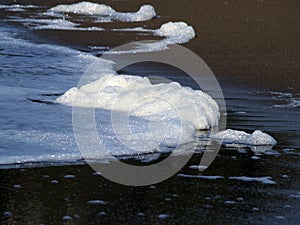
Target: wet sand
[(249, 43), (50, 195)]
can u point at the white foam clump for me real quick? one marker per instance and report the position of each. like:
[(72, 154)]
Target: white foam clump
[(173, 111), (140, 97), (146, 12), (257, 138), (176, 32), (173, 33)]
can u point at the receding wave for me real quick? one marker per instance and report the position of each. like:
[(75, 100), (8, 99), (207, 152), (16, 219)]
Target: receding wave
[(162, 113)]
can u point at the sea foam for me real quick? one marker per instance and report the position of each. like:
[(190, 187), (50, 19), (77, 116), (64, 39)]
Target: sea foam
[(176, 32), (50, 138), (257, 138), (172, 33), (146, 12), (61, 24), (138, 96), (179, 108)]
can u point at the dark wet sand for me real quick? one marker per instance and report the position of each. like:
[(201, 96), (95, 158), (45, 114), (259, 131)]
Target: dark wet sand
[(32, 196), (250, 43)]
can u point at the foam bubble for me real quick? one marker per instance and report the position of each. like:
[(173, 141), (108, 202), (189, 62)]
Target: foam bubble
[(176, 32), (146, 12), (257, 138), (137, 95), (161, 114), (173, 33)]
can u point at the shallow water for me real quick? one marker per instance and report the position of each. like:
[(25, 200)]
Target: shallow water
[(261, 92)]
